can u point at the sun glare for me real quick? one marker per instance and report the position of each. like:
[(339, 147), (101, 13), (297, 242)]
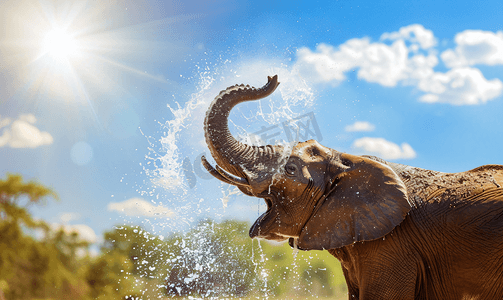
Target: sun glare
[(71, 50), (59, 44)]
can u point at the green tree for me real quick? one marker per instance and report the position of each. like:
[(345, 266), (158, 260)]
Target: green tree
[(16, 196), (131, 265), (211, 260), (35, 268)]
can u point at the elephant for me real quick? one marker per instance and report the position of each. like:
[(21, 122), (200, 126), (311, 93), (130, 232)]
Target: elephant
[(399, 232)]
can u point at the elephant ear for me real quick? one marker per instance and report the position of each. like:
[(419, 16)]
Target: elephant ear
[(366, 201)]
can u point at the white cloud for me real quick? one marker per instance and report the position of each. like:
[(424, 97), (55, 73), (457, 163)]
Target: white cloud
[(5, 122), (22, 134), (360, 126), (475, 47), (68, 217), (384, 149), (414, 33), (85, 232), (377, 62), (460, 86), (139, 207), (410, 60)]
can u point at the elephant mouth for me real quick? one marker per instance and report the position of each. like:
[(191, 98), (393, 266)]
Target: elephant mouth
[(262, 226), (269, 198), (268, 201)]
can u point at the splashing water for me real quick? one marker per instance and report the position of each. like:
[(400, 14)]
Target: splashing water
[(199, 258), (295, 264), (168, 174), (184, 133), (263, 273), (295, 248), (231, 190), (175, 173)]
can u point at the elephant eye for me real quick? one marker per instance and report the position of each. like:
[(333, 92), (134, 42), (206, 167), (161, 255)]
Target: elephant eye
[(290, 169)]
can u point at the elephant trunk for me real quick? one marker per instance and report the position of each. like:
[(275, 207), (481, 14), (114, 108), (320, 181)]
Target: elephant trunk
[(245, 163)]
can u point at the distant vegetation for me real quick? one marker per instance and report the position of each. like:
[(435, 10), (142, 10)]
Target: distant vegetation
[(212, 260)]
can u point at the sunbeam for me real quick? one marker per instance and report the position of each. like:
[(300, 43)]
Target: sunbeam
[(75, 52)]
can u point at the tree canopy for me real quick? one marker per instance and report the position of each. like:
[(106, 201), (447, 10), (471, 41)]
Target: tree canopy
[(35, 267), (212, 260)]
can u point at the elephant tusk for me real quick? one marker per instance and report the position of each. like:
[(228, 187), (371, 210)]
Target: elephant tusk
[(212, 170), (222, 175), (233, 179)]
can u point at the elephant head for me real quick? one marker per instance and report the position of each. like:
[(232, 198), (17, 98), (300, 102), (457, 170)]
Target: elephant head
[(320, 197)]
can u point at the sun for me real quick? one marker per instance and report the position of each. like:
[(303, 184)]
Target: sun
[(71, 50), (60, 45)]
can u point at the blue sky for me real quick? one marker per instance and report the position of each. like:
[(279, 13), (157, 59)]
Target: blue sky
[(104, 102)]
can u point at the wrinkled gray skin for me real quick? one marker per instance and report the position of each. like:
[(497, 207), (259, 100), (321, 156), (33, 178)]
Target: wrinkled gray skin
[(399, 232)]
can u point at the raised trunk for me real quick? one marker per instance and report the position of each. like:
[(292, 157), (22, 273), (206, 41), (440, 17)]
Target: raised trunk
[(239, 159)]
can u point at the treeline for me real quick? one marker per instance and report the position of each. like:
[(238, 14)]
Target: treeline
[(212, 260)]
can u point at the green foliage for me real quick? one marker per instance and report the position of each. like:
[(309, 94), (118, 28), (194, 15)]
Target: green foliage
[(298, 274), (13, 192), (213, 260), (107, 277), (31, 268), (132, 261), (13, 188)]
